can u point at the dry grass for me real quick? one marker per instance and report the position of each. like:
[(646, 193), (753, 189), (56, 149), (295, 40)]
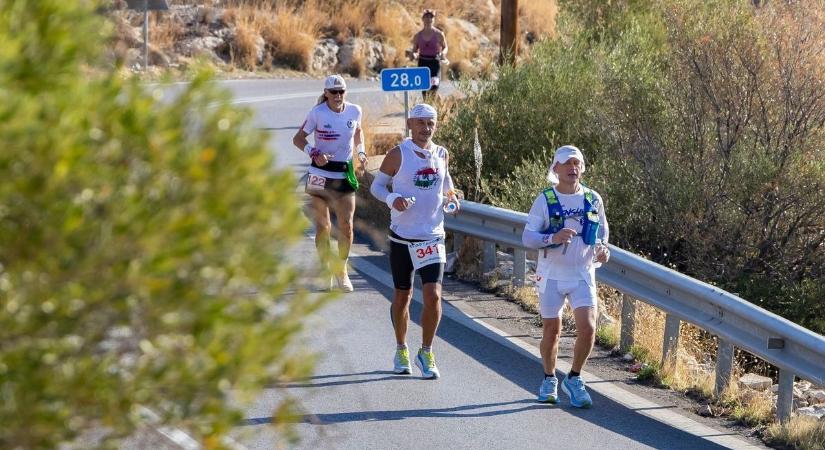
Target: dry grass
[(804, 433), (538, 17), (165, 31), (747, 405), (243, 48), (289, 33)]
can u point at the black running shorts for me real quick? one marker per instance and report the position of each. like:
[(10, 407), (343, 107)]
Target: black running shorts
[(402, 266)]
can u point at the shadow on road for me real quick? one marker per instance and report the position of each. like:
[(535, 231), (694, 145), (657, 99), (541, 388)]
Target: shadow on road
[(525, 372)]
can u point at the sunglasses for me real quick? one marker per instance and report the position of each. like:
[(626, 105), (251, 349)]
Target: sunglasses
[(336, 91)]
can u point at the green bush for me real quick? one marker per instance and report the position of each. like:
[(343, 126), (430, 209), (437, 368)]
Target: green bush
[(141, 244), (704, 127)]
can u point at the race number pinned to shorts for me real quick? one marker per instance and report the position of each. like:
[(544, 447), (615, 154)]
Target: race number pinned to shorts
[(316, 183), (427, 252)]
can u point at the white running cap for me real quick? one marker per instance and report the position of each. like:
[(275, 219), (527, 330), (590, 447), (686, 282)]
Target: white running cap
[(423, 111), (563, 154), (335, 82), (566, 152)]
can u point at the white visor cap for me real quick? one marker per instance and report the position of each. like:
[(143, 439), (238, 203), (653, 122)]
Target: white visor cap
[(335, 82), (423, 111)]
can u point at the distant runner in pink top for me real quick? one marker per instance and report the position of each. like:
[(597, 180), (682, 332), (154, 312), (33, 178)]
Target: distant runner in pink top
[(430, 47)]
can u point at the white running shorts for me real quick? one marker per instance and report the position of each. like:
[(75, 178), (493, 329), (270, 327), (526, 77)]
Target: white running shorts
[(579, 293)]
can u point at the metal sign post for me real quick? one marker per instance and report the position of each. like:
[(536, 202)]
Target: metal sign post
[(405, 79), (146, 6)]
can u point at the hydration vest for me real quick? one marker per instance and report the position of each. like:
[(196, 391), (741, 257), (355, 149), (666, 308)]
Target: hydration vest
[(590, 229)]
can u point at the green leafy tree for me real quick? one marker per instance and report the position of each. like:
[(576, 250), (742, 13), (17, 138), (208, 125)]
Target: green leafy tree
[(142, 244), (704, 126)]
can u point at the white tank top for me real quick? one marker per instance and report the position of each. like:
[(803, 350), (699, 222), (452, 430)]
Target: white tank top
[(422, 178)]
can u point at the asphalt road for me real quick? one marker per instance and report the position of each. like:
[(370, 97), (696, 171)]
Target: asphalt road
[(486, 396)]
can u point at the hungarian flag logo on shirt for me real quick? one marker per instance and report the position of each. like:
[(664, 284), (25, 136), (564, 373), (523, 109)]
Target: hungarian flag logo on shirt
[(425, 178)]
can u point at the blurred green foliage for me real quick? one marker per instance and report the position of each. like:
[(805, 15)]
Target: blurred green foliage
[(142, 244), (703, 125)]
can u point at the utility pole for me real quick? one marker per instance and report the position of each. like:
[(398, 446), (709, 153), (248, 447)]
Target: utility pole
[(509, 32)]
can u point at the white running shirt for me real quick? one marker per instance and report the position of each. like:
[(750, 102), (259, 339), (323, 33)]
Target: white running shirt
[(577, 263), (334, 134), (422, 178)]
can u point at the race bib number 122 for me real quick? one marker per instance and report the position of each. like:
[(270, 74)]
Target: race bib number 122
[(314, 182)]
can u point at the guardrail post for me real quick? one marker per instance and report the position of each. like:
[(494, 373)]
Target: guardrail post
[(724, 366), (628, 322), (784, 403), (671, 338), (489, 256), (458, 241), (519, 266)]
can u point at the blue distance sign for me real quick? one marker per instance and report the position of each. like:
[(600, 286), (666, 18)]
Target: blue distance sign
[(406, 79)]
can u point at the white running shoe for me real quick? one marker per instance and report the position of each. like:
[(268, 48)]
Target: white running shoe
[(344, 283)]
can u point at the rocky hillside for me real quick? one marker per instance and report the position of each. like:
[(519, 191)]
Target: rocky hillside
[(316, 36)]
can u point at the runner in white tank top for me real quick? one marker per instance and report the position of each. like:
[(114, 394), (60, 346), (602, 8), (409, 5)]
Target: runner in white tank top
[(332, 178), (421, 185), (420, 175)]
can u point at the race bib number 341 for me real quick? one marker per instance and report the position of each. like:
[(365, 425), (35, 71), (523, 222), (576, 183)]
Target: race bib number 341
[(427, 252)]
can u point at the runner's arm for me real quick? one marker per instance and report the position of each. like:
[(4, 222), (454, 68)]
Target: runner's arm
[(537, 220), (389, 167)]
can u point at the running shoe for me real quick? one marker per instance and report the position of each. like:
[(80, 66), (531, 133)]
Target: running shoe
[(344, 282), (574, 388), (426, 362), (549, 390), (323, 283), (402, 362)]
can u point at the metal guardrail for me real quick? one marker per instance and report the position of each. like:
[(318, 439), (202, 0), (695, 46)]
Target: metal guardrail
[(796, 351)]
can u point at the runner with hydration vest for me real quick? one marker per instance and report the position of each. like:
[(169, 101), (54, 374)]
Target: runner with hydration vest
[(567, 225)]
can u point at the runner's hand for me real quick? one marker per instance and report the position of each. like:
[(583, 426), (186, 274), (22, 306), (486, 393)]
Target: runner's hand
[(321, 160), (564, 236), (401, 204), (602, 253)]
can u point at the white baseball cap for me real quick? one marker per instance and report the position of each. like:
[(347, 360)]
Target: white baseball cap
[(335, 82), (566, 152), (563, 154), (423, 111)]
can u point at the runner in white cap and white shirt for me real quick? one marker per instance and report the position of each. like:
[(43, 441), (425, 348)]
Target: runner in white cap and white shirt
[(332, 181), (567, 225), (422, 190)]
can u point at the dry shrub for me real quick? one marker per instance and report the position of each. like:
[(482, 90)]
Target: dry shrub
[(799, 433), (165, 30), (747, 405), (291, 35), (538, 17), (396, 26), (470, 259), (352, 19), (243, 48), (463, 68), (650, 329)]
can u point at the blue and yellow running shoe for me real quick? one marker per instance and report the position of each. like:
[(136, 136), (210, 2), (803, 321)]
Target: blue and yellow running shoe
[(426, 362), (401, 362)]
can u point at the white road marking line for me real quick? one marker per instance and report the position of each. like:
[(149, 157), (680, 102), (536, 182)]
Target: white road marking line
[(313, 94)]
